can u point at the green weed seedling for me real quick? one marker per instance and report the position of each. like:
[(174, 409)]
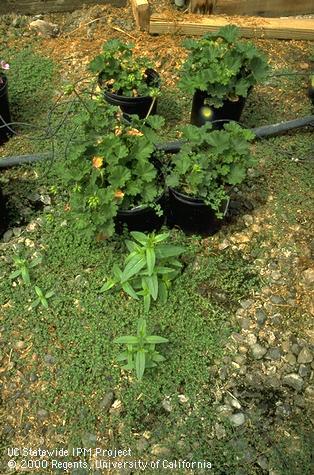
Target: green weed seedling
[(149, 269), (42, 298), (140, 353), (23, 268)]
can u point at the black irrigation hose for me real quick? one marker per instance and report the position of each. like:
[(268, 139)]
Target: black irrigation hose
[(175, 146)]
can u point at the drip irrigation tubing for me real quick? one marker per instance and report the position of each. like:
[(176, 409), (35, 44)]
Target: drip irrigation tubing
[(175, 146)]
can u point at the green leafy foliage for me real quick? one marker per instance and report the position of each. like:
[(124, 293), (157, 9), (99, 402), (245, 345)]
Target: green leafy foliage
[(222, 65), (211, 161), (141, 350), (23, 268), (149, 269), (42, 298), (123, 73), (110, 167)]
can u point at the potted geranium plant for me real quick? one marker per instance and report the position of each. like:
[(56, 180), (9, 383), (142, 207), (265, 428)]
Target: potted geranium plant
[(201, 175), (220, 71), (127, 81), (113, 173), (5, 117)]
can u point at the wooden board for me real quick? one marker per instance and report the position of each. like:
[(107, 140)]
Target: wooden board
[(271, 8), (141, 13), (253, 27), (51, 6)]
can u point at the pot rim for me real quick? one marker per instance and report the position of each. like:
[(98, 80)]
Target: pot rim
[(195, 200), (138, 209), (106, 89)]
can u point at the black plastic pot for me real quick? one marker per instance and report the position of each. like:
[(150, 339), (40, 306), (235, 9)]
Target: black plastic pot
[(5, 132), (141, 218), (192, 215), (3, 215), (135, 105), (201, 113)]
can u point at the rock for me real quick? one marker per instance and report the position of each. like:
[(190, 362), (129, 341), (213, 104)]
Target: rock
[(19, 345), (237, 419), (261, 316), (251, 339), (106, 402), (49, 359), (244, 323), (89, 440), (258, 351), (275, 275), (160, 450), (233, 402), (308, 277), (262, 462), (142, 444), (33, 377), (305, 356), (248, 220), (183, 399), (44, 28), (291, 359), (295, 349), (273, 354), (7, 235), (223, 245), (309, 392), (277, 300), (283, 410), (17, 231), (294, 381), (304, 371), (220, 431), (166, 404), (246, 303), (42, 414)]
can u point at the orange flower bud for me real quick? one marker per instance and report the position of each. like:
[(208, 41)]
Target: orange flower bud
[(134, 132), (119, 194), (97, 162)]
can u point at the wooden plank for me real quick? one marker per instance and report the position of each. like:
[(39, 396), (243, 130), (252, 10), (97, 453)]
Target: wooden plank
[(51, 6), (271, 8), (141, 12), (251, 27)]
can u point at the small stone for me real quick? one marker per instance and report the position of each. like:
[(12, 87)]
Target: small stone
[(246, 303), (42, 414), (183, 399), (166, 404), (142, 444), (261, 316), (49, 359), (220, 431), (19, 345), (89, 439), (275, 275), (237, 419), (262, 462), (248, 220), (160, 450), (245, 323), (33, 377), (7, 235), (309, 392), (291, 359), (277, 300), (305, 356), (295, 349), (44, 28), (251, 339), (283, 410), (223, 245), (285, 345), (294, 381), (273, 354), (258, 351), (17, 231), (106, 402), (308, 277), (304, 371)]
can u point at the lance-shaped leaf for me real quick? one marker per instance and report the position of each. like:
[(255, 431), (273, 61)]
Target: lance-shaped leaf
[(128, 340), (140, 363), (150, 259), (133, 267), (154, 339), (163, 251), (127, 287), (152, 285)]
